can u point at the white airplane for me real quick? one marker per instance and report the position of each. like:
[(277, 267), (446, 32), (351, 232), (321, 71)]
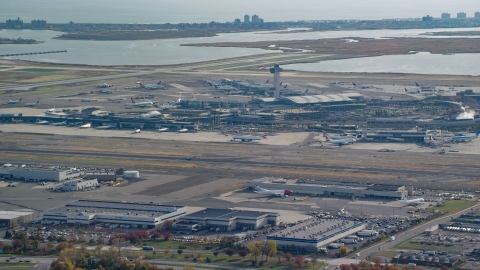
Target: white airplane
[(413, 201), (14, 101), (464, 138), (87, 125), (42, 122), (51, 110), (59, 123), (32, 104), (183, 130), (340, 142), (325, 134), (162, 129), (150, 114), (152, 86), (282, 193), (362, 86), (136, 131), (395, 139), (146, 103), (105, 85), (412, 91), (249, 138), (105, 127)]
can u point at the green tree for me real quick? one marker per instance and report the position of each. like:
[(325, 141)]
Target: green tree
[(8, 235)]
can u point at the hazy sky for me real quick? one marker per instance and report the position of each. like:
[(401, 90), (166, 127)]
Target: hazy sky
[(226, 10)]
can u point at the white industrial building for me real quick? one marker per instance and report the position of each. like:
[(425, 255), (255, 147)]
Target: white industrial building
[(75, 185), (18, 217), (228, 220), (138, 215), (41, 173), (338, 189)]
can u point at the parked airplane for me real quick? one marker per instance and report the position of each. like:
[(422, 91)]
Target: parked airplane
[(87, 125), (152, 86), (340, 142), (282, 193), (412, 91), (249, 138), (136, 131), (183, 130), (60, 123), (325, 135), (51, 110), (425, 86), (150, 114), (361, 86), (14, 101), (105, 85), (188, 157), (32, 104), (162, 129), (167, 107), (108, 91), (413, 201), (464, 138), (42, 122), (146, 103), (106, 127)]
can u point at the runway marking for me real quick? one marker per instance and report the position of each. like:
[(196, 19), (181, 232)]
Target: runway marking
[(182, 87)]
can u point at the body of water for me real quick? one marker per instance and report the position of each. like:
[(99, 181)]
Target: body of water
[(420, 63), (167, 51)]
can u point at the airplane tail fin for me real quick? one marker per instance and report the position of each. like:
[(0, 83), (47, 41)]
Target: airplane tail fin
[(417, 84), (20, 100), (354, 84), (324, 133), (406, 90), (38, 101), (132, 100)]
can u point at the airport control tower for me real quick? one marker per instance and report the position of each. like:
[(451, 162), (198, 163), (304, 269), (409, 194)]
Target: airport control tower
[(276, 69)]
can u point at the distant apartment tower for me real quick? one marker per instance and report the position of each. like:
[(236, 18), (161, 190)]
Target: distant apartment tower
[(461, 15), (445, 16), (477, 15), (14, 23), (38, 24), (255, 19), (427, 18), (237, 21), (246, 19)]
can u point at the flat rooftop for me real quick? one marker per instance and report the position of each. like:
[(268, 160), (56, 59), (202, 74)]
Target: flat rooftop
[(227, 213), (124, 205), (315, 229), (14, 214)]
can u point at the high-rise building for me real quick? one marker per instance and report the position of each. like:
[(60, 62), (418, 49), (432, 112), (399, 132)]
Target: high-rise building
[(38, 24), (461, 15), (237, 21), (15, 23), (246, 18), (255, 18), (427, 18), (477, 15), (445, 16)]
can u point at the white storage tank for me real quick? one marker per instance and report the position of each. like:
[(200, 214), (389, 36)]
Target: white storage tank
[(131, 174)]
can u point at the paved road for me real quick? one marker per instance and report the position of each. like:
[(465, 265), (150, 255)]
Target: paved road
[(409, 234), (40, 263)]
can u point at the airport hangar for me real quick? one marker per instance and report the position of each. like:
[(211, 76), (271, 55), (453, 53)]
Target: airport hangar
[(88, 212), (20, 217), (338, 189), (229, 219)]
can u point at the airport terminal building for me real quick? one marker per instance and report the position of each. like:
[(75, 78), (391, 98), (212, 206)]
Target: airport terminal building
[(336, 189), (139, 215), (40, 173), (228, 220)]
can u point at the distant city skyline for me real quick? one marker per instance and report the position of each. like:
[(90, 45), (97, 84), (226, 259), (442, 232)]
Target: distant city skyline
[(189, 11)]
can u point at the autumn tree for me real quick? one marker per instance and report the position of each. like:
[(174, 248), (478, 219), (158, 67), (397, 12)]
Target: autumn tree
[(255, 248), (343, 251), (299, 260), (271, 248), (230, 252), (243, 253), (288, 256)]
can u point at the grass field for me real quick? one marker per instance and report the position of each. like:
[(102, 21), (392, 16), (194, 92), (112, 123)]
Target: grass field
[(415, 245), (455, 206), (38, 70), (11, 264)]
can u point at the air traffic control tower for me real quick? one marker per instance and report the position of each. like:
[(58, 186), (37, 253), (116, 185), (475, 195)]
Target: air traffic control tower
[(276, 69)]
